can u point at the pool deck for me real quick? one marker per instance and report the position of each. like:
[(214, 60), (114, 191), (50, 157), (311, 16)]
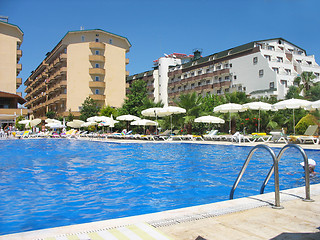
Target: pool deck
[(244, 218)]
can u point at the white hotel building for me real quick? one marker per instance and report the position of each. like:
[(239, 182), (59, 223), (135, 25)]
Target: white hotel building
[(260, 69)]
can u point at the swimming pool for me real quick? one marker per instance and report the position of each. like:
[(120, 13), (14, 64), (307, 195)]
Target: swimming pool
[(57, 182)]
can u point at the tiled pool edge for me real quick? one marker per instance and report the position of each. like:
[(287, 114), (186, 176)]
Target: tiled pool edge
[(172, 217)]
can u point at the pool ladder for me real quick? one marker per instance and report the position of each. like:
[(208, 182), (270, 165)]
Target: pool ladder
[(275, 169)]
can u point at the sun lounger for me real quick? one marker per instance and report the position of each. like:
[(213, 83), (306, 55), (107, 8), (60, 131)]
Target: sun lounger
[(278, 136), (308, 136), (210, 135), (238, 137)]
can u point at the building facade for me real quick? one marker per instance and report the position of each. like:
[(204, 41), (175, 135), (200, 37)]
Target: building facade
[(157, 79), (85, 63), (11, 37), (260, 69)]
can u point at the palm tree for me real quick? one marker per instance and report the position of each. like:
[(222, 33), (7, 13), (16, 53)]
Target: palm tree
[(304, 81), (191, 103)]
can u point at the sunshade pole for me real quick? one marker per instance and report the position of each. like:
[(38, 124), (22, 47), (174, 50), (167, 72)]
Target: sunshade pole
[(294, 125), (259, 122)]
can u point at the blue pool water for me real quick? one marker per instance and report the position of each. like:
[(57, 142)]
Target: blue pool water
[(57, 182)]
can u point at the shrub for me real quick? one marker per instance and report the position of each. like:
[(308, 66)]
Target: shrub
[(304, 123)]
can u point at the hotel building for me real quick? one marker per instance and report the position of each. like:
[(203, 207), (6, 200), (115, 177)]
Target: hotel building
[(260, 69), (11, 37), (85, 63)]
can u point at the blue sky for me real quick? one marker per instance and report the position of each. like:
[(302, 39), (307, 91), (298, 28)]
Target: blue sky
[(167, 26)]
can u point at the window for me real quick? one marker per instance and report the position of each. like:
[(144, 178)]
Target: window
[(192, 85), (244, 88), (110, 41), (275, 69), (261, 73), (82, 39), (97, 52), (271, 84), (279, 59), (268, 57), (298, 61), (192, 74), (97, 78), (97, 91), (271, 48), (97, 39), (235, 77), (208, 82), (255, 60), (208, 70), (226, 65), (288, 71), (227, 78), (309, 63), (97, 65), (230, 65), (218, 67), (185, 76), (200, 72), (284, 82)]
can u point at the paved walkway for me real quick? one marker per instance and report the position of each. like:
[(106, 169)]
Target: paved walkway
[(298, 220)]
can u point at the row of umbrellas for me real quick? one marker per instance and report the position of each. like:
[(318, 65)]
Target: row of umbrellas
[(285, 104)]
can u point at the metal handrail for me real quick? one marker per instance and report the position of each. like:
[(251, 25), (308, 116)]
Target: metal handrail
[(274, 167), (306, 170)]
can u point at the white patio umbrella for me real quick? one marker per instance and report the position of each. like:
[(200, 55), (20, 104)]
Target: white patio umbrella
[(49, 120), (258, 106), (152, 112), (25, 121), (88, 124), (128, 118), (33, 123), (292, 104), (229, 108), (314, 105), (54, 125), (169, 111), (98, 119), (75, 123), (144, 122), (209, 119)]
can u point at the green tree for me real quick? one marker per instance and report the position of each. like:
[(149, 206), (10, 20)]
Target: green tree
[(314, 92), (304, 81), (293, 92), (137, 95), (89, 108), (107, 111), (192, 104), (70, 117), (18, 126), (50, 114)]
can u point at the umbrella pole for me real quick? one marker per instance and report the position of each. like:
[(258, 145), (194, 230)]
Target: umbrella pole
[(294, 125), (259, 122), (171, 123), (229, 122)]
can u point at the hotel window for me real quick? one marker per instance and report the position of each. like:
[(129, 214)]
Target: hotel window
[(110, 41), (208, 70), (298, 61), (97, 91), (272, 85), (218, 67), (309, 63), (268, 57), (97, 52), (235, 77), (276, 70), (97, 78), (255, 60), (279, 59), (82, 39), (261, 73), (230, 65), (226, 65), (288, 71), (185, 76), (97, 65), (208, 82), (271, 48), (284, 82), (97, 39), (192, 85), (192, 74), (227, 78), (244, 88), (200, 72)]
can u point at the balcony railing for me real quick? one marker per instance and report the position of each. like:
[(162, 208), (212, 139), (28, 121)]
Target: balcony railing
[(97, 45), (18, 82), (96, 58), (19, 54), (19, 68), (96, 71), (127, 60), (97, 84), (97, 97)]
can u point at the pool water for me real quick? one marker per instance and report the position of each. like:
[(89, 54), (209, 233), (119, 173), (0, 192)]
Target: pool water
[(55, 182)]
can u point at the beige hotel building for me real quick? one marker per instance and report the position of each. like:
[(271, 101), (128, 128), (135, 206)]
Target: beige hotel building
[(11, 37), (85, 63)]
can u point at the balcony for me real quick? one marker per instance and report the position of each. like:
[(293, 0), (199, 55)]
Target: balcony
[(97, 84), (98, 97), (19, 54), (97, 45), (19, 68), (18, 82), (96, 71), (127, 60), (96, 58), (127, 73)]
